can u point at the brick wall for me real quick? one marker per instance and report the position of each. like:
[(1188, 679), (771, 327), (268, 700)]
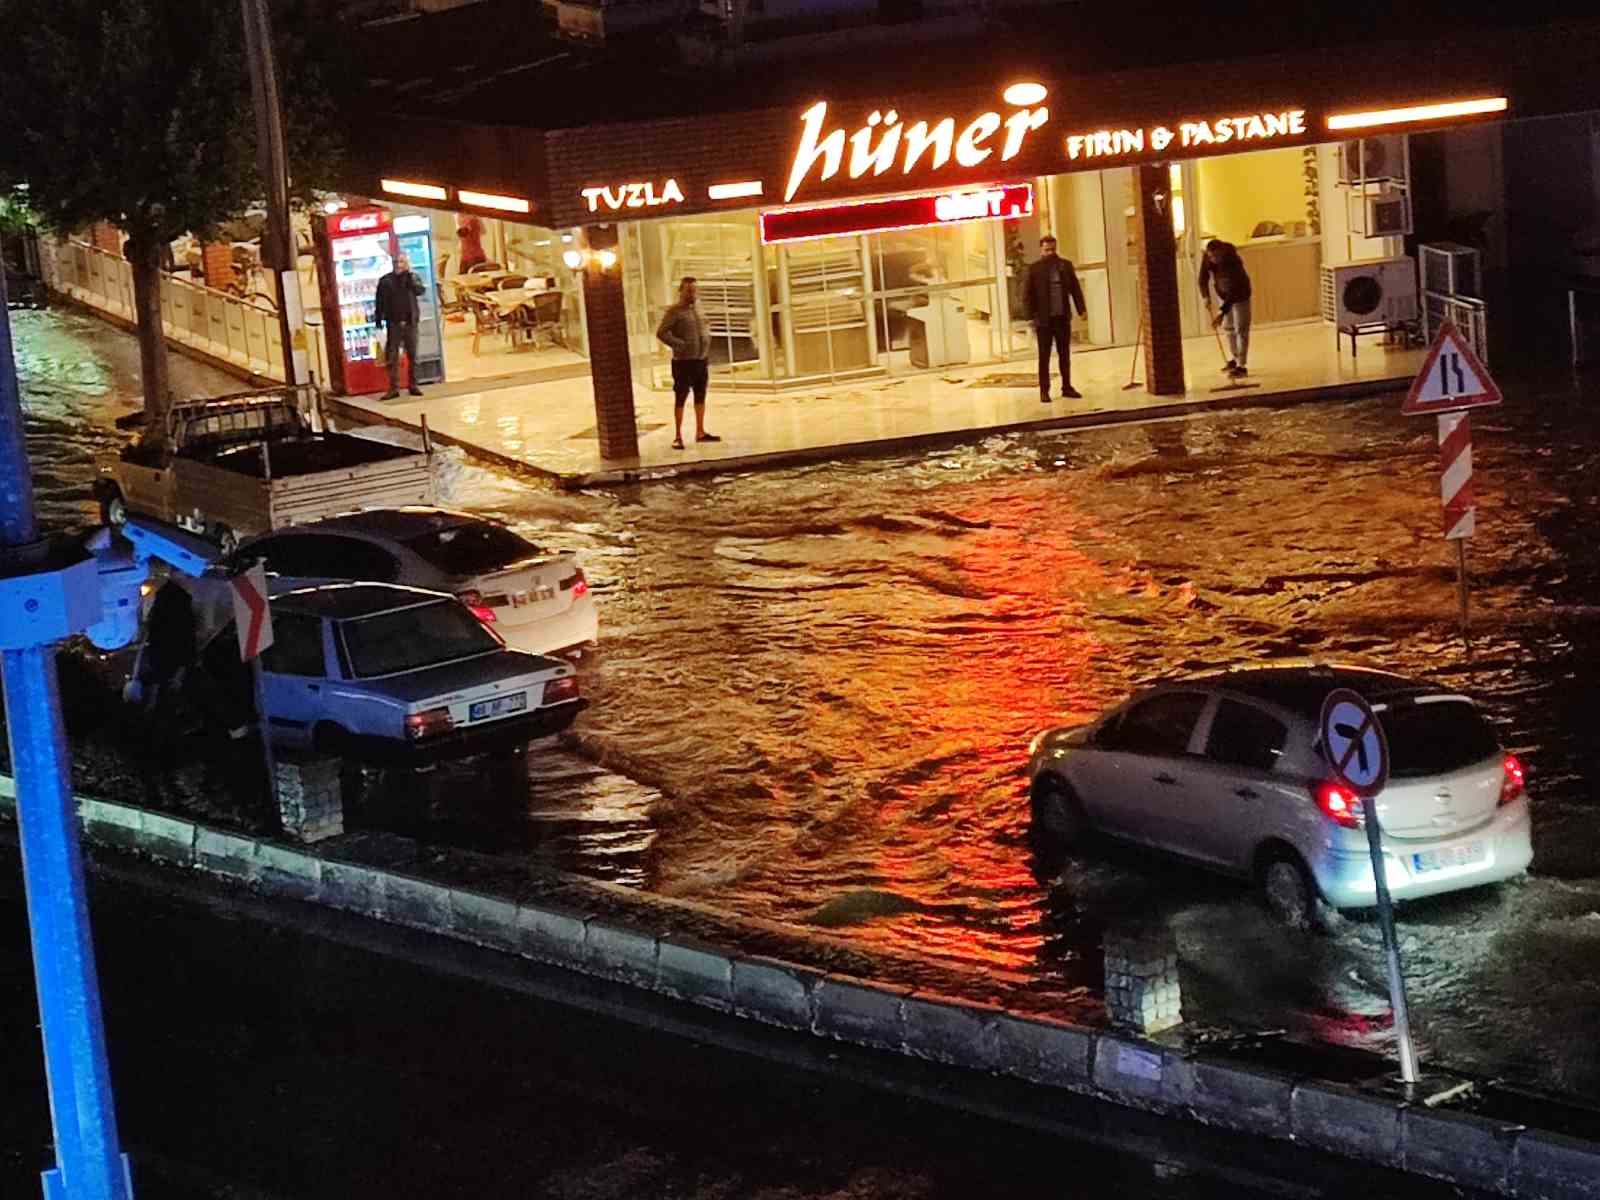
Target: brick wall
[(610, 365), (1159, 283)]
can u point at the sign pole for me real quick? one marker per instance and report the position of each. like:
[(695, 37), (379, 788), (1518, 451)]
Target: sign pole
[(1356, 747), (252, 617), (1391, 945), (1461, 581), (261, 729)]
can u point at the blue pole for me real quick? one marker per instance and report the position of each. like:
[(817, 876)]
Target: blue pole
[(89, 1160)]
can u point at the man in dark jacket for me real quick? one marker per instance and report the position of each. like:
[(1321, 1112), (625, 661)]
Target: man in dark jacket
[(1052, 287), (1222, 266), (396, 309)]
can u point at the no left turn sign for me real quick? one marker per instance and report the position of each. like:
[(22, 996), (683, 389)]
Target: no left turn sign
[(1354, 743)]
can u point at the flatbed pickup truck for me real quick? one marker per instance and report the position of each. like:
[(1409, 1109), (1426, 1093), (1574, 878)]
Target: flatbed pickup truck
[(251, 463)]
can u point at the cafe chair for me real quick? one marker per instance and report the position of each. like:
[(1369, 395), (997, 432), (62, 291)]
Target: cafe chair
[(485, 268), (449, 297), (546, 318), (513, 281), (486, 319)]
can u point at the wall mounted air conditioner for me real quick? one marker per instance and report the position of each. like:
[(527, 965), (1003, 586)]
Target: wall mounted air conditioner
[(1373, 291), (1384, 212), (1374, 160)]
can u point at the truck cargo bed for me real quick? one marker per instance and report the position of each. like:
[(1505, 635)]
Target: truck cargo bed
[(308, 456)]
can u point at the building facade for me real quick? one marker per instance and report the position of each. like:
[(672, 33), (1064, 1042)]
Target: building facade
[(845, 223)]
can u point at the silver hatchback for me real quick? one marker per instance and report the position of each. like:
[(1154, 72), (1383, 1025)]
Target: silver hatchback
[(1226, 770)]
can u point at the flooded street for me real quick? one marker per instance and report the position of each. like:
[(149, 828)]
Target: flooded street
[(828, 677)]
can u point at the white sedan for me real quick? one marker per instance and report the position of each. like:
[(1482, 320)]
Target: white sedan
[(536, 600), (1226, 770)]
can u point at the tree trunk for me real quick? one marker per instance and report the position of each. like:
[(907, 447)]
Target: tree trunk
[(144, 255)]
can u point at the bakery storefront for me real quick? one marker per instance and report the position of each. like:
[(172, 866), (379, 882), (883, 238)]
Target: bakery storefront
[(865, 235)]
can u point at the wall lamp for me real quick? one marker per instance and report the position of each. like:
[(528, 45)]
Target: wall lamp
[(577, 259)]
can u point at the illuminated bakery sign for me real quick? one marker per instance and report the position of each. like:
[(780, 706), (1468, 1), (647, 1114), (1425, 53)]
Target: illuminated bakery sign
[(897, 212), (890, 145), (1246, 129)]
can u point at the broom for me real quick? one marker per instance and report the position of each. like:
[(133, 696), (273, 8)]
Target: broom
[(1138, 345)]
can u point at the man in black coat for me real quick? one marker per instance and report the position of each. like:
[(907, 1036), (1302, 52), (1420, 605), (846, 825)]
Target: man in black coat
[(396, 309), (1052, 287)]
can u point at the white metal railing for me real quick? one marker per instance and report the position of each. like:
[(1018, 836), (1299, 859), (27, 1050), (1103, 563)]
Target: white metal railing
[(240, 332)]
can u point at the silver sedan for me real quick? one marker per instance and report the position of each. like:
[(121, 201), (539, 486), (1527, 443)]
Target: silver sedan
[(1226, 770)]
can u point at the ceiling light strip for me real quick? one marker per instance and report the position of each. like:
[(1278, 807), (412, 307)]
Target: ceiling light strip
[(1418, 112)]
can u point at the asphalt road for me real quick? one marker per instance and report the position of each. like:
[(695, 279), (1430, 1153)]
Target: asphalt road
[(275, 1051)]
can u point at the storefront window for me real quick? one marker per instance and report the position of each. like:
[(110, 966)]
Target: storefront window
[(721, 254), (516, 309)]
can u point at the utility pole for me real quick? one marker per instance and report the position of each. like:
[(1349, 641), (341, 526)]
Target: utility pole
[(48, 591), (279, 250)]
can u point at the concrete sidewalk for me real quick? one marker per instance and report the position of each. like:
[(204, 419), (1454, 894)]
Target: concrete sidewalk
[(548, 427), (1476, 1134)]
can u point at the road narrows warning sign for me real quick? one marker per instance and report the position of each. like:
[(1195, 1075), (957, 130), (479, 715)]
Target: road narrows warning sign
[(1452, 378)]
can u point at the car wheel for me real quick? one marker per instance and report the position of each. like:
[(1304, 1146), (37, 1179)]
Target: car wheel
[(115, 510), (1290, 895), (1057, 813)]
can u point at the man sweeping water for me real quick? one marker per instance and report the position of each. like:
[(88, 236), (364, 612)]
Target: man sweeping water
[(1221, 266)]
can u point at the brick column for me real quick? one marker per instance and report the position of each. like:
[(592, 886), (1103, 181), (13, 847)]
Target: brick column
[(1159, 283), (610, 367), (107, 237), (216, 260)]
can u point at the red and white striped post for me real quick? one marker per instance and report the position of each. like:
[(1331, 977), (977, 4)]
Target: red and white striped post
[(1452, 380), (1460, 504)]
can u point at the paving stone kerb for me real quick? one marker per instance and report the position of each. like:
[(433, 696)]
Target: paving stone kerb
[(1457, 1147)]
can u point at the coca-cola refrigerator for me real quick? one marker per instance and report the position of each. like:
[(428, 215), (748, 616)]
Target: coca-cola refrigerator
[(355, 249)]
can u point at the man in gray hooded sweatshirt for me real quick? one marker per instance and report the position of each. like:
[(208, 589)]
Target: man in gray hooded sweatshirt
[(684, 329)]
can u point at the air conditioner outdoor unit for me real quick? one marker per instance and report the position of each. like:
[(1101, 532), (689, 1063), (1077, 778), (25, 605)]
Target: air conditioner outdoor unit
[(1450, 269), (1385, 212), (1374, 291), (1374, 160)]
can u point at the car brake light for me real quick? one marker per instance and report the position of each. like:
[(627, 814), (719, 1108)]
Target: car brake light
[(1513, 782), (1339, 803), (558, 691), (473, 599), (580, 585), (428, 723)]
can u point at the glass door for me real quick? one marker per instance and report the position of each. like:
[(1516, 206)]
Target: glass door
[(935, 296)]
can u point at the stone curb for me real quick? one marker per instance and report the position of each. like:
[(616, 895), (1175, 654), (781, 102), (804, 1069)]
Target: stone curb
[(1457, 1147)]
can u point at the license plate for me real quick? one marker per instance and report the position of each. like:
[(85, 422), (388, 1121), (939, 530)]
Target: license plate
[(498, 707), (532, 596), (1455, 856)]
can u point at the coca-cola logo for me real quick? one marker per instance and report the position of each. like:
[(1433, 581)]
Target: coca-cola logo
[(358, 221)]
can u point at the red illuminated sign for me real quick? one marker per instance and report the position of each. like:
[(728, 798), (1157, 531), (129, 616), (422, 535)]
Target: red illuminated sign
[(897, 212)]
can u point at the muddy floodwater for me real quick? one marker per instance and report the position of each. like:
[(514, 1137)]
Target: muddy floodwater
[(828, 677)]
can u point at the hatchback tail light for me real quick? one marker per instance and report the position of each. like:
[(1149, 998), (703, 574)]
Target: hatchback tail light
[(558, 691), (578, 583), (1339, 803), (428, 723), (1513, 780), (473, 599)]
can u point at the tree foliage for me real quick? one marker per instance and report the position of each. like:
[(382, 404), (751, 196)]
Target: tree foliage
[(138, 112)]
